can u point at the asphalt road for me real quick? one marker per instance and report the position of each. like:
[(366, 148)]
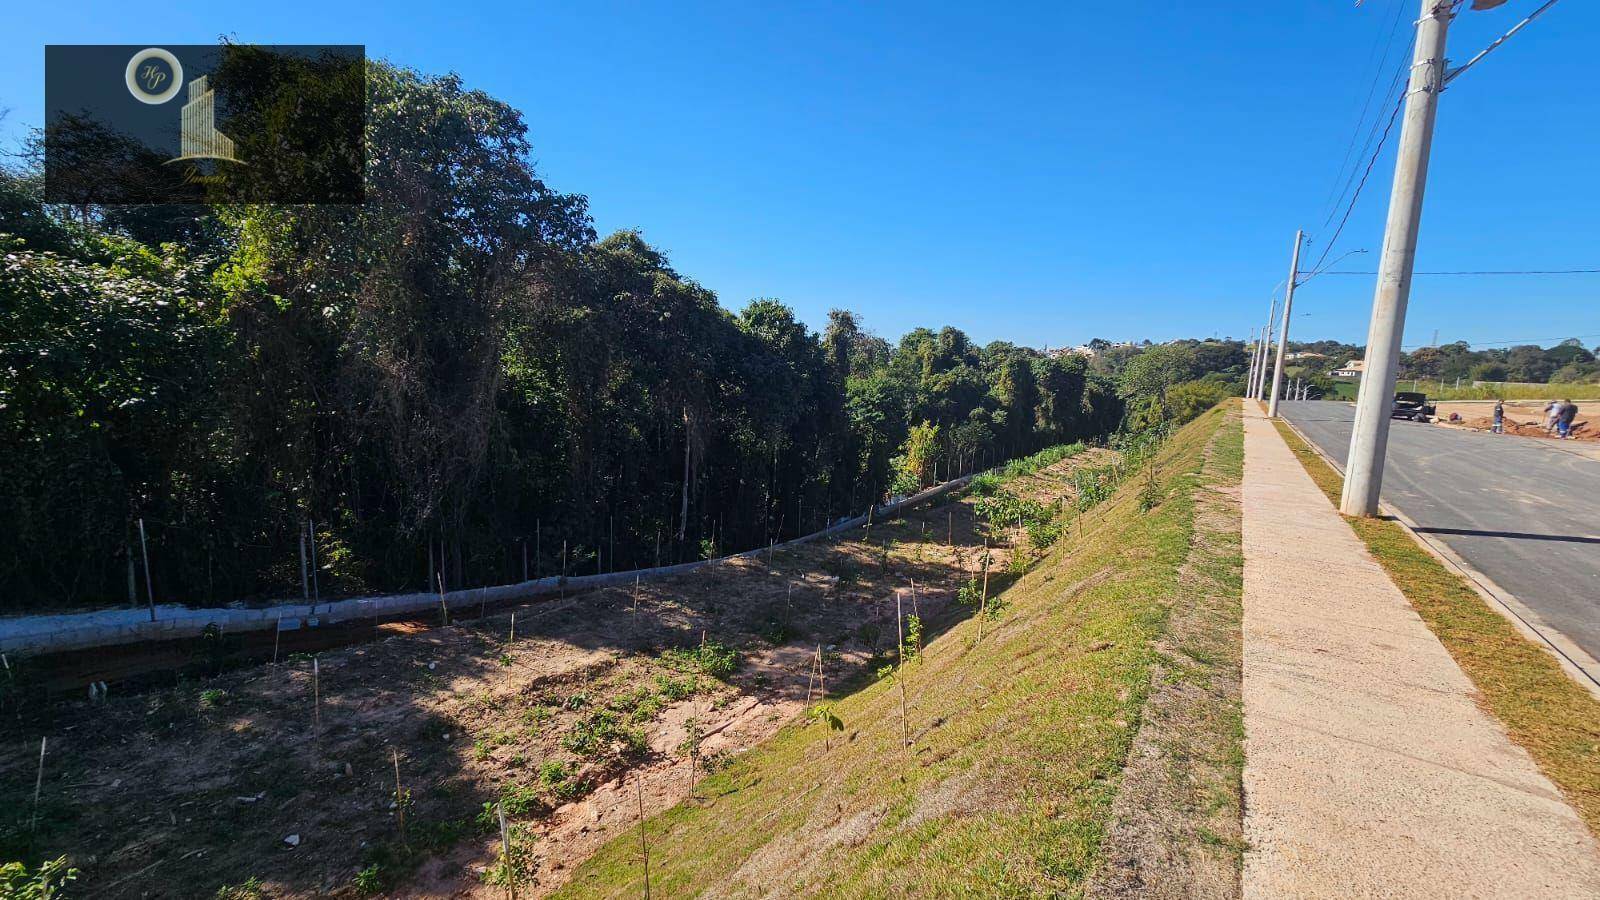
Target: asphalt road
[(1523, 511)]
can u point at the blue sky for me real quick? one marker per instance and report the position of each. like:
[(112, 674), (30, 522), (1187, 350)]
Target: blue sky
[(1036, 173)]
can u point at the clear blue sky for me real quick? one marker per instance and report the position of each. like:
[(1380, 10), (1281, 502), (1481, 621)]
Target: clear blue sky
[(1043, 174)]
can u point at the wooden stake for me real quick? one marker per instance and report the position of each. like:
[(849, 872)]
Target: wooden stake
[(983, 604), (444, 609), (316, 592), (276, 635), (950, 523), (916, 611), (900, 672), (644, 845), (399, 798), (505, 853), (316, 695), (513, 638), (144, 551), (38, 785)]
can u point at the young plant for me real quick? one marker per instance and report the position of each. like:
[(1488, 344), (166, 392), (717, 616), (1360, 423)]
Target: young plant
[(690, 747)]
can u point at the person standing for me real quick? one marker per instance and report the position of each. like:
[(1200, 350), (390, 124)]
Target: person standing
[(1499, 416), (1569, 411), (1551, 414)]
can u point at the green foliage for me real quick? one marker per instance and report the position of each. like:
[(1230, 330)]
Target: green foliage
[(438, 367), (602, 733), (710, 658), (370, 881), (44, 883), (249, 889), (827, 714), (1186, 401), (970, 593), (210, 698), (675, 689)]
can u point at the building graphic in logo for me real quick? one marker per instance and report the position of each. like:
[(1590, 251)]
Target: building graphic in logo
[(198, 134)]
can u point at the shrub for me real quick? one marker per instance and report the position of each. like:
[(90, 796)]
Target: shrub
[(44, 883), (710, 658), (602, 733)]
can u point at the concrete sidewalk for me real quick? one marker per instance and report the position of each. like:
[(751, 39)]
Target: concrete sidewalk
[(1369, 770)]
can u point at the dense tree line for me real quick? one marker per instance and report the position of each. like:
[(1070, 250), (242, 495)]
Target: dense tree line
[(449, 376)]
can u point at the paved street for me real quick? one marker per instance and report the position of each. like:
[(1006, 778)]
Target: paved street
[(1523, 511)]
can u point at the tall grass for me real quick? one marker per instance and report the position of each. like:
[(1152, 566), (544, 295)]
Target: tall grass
[(1508, 391)]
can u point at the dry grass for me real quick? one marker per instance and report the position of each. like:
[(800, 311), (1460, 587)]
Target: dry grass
[(1521, 684), (1018, 742)]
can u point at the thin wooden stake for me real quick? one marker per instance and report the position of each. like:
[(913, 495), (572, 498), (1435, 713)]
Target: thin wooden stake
[(644, 845), (399, 798), (144, 551), (316, 694), (444, 608), (276, 635), (983, 604), (38, 785), (900, 671), (316, 592), (505, 853), (916, 611), (513, 638)]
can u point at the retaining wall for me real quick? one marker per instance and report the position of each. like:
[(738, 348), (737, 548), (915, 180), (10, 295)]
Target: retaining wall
[(76, 631)]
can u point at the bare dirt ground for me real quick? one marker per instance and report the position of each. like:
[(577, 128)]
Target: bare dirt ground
[(1523, 417), (280, 780)]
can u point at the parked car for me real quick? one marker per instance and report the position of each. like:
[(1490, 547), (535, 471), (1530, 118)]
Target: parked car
[(1412, 405)]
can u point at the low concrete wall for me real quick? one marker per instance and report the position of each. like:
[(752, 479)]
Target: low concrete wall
[(77, 631)]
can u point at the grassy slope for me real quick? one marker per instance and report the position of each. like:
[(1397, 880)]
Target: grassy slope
[(1018, 741), (1557, 721)]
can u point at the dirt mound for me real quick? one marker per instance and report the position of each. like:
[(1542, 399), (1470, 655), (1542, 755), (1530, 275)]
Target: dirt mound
[(1581, 430)]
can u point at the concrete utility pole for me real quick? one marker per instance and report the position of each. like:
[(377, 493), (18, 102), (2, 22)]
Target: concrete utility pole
[(1250, 379), (1255, 360), (1369, 438), (1266, 342), (1255, 364), (1266, 350), (1283, 333)]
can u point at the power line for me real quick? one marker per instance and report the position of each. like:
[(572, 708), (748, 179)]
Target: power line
[(1518, 342), (1394, 27), (1371, 161), (1451, 75), (1595, 271)]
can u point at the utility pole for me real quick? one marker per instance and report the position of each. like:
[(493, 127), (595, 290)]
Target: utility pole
[(1283, 333), (1266, 344), (1250, 380), (1369, 438), (1266, 339)]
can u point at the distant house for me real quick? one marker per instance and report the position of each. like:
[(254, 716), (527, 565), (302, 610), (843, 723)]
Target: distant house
[(1351, 369)]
